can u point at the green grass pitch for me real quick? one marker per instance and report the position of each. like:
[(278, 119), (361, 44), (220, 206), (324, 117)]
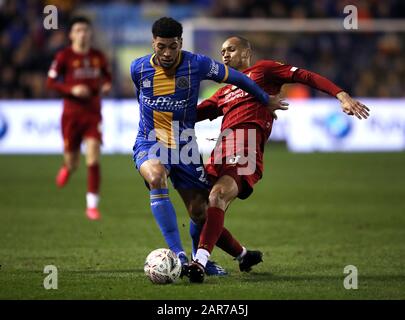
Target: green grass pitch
[(311, 215)]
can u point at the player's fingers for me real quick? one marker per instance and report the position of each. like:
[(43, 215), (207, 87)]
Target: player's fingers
[(364, 106), (274, 115), (357, 115), (362, 112), (365, 110)]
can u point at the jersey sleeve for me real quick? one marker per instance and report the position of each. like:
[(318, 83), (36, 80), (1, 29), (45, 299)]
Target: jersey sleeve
[(209, 109), (277, 71), (56, 74), (209, 69), (317, 82), (135, 73)]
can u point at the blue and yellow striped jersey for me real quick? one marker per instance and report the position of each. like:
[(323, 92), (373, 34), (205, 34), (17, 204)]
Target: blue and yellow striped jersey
[(168, 97)]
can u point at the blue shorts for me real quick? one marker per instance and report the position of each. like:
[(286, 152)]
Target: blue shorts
[(183, 174)]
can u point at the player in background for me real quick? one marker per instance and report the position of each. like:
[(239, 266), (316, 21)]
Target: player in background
[(167, 86), (81, 74), (242, 112)]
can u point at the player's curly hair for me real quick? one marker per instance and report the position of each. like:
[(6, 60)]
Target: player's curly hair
[(167, 27), (79, 19)]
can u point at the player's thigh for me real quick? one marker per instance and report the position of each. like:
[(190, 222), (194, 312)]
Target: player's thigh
[(196, 201), (154, 173), (224, 191), (72, 132)]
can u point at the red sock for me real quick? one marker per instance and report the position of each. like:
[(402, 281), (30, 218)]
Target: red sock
[(93, 178), (212, 229), (229, 244)]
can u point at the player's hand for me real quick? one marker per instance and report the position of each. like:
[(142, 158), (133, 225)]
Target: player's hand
[(81, 91), (276, 103), (106, 88), (352, 107)]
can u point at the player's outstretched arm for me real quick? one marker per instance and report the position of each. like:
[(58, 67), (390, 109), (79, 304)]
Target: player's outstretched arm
[(316, 81), (351, 106), (214, 70)]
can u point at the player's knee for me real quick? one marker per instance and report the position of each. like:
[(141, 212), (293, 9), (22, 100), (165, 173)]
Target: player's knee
[(91, 162), (157, 180), (218, 198)]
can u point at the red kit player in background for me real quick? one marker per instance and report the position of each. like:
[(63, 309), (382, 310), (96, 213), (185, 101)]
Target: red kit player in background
[(81, 74), (242, 112)]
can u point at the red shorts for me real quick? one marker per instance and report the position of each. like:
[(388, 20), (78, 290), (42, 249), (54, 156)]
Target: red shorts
[(239, 154), (76, 128)]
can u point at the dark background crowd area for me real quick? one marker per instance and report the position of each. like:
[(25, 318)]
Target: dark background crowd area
[(369, 64)]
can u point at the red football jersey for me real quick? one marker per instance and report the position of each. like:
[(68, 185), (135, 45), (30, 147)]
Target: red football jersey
[(90, 69), (238, 106)]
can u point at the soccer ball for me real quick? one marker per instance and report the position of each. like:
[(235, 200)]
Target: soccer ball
[(162, 266)]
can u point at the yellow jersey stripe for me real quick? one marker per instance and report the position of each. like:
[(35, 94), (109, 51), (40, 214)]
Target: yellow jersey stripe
[(163, 128), (159, 196)]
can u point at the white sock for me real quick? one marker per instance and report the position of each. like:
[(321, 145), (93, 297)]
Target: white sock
[(202, 256), (239, 257), (92, 200)]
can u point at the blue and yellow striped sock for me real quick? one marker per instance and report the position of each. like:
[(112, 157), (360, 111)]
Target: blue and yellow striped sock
[(165, 215)]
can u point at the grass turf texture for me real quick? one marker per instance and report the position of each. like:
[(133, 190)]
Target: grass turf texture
[(311, 215)]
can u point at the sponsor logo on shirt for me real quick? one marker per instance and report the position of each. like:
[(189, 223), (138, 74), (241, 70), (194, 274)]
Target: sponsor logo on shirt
[(214, 69), (164, 103), (82, 73)]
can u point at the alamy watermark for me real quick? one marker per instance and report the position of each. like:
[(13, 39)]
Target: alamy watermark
[(51, 19), (235, 147), (51, 280), (351, 21), (351, 280)]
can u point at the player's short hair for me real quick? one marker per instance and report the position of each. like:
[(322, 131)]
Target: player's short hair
[(245, 43), (167, 27), (79, 19)]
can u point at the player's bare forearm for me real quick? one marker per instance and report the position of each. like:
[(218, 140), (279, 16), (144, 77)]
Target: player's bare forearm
[(352, 107), (316, 81)]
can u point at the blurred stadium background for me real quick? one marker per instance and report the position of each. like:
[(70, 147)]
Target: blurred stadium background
[(368, 63)]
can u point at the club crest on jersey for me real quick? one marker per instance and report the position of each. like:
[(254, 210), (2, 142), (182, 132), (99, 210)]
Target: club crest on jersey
[(141, 154), (182, 83), (76, 63), (146, 83), (95, 62), (234, 159)]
